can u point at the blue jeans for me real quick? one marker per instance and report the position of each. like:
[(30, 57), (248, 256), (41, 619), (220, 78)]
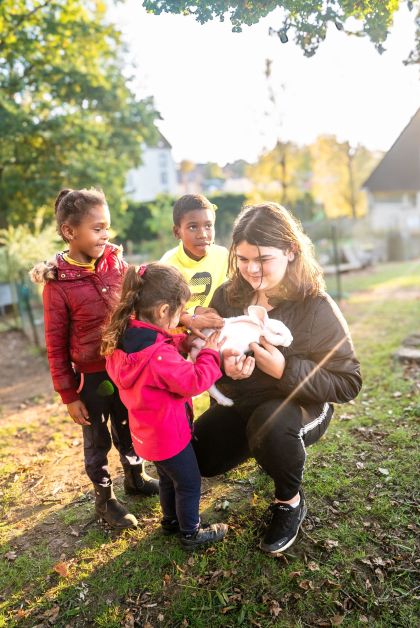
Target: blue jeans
[(179, 489)]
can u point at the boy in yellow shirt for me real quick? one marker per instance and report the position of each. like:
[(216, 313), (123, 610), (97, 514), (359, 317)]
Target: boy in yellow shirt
[(202, 263)]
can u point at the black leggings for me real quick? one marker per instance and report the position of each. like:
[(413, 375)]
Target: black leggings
[(275, 433), (103, 402)]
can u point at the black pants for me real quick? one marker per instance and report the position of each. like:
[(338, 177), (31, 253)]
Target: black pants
[(275, 433), (103, 402), (179, 489)]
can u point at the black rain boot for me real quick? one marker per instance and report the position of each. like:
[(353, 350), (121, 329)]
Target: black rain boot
[(109, 509), (138, 482)]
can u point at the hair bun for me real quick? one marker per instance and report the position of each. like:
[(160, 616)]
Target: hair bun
[(62, 193)]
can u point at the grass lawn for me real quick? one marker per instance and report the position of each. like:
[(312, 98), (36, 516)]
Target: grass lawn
[(353, 564)]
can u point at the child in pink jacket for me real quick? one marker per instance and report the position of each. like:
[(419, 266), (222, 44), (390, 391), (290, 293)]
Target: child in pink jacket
[(156, 384)]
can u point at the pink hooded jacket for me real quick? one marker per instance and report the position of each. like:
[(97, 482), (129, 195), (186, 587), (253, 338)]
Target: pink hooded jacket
[(155, 384)]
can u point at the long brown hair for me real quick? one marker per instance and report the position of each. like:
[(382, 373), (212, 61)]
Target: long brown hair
[(270, 224), (142, 292)]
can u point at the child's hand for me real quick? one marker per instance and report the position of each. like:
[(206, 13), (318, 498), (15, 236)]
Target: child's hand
[(78, 412), (213, 341), (205, 317)]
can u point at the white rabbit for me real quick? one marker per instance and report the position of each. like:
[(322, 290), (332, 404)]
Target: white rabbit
[(240, 332)]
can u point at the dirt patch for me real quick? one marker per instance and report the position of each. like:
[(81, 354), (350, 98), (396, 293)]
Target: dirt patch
[(24, 373), (44, 454)]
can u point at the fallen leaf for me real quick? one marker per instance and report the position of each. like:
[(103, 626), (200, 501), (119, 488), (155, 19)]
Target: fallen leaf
[(11, 555), (306, 585), (160, 617), (312, 566), (294, 574), (129, 621), (62, 569), (337, 620), (360, 465), (383, 471), (329, 543), (379, 561), (363, 619), (51, 614), (275, 608), (20, 614)]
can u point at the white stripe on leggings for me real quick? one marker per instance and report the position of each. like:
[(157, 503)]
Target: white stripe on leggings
[(307, 428)]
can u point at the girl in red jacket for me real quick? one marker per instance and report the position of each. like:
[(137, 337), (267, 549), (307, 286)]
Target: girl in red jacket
[(81, 286), (156, 384)]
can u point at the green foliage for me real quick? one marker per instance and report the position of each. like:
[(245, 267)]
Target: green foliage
[(150, 227), (67, 115), (308, 21), (228, 208), (21, 247)]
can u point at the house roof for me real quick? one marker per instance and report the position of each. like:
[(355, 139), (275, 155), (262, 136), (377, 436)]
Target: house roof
[(399, 169), (162, 141)]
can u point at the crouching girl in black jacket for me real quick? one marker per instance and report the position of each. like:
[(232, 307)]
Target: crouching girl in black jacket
[(282, 396)]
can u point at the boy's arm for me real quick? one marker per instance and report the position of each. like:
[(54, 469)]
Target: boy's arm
[(203, 318)]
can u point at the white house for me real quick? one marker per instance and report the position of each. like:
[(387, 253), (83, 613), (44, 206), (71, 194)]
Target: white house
[(156, 175), (394, 186)]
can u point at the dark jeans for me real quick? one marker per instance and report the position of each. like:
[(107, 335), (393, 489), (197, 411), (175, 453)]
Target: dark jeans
[(275, 433), (103, 402), (179, 489)]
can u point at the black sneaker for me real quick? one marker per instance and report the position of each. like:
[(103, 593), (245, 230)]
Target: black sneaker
[(169, 526), (206, 534), (284, 526)]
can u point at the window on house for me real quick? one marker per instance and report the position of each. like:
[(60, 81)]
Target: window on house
[(412, 199), (163, 159), (389, 197), (164, 177)]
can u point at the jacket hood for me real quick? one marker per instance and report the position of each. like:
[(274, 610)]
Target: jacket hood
[(48, 270), (125, 368)]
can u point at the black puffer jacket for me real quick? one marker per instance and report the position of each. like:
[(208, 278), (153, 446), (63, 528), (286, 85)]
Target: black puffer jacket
[(321, 365)]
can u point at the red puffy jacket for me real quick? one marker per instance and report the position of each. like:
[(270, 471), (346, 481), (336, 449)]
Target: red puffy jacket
[(76, 304)]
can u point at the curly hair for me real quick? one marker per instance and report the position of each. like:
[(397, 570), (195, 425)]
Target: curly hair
[(72, 205)]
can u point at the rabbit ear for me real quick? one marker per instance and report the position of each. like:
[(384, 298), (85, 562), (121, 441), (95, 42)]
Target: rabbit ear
[(258, 314)]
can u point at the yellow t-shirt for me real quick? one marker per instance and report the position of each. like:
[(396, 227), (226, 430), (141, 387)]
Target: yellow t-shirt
[(203, 276)]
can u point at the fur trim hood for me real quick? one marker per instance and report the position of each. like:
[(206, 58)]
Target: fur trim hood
[(47, 270)]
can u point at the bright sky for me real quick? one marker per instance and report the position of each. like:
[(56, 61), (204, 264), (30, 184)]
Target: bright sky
[(209, 85)]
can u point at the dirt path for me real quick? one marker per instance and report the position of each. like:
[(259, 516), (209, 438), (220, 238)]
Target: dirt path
[(42, 464)]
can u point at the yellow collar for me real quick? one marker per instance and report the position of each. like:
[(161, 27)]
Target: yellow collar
[(88, 265)]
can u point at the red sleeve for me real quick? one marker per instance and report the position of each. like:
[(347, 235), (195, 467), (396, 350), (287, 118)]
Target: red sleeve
[(57, 332), (182, 377)]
